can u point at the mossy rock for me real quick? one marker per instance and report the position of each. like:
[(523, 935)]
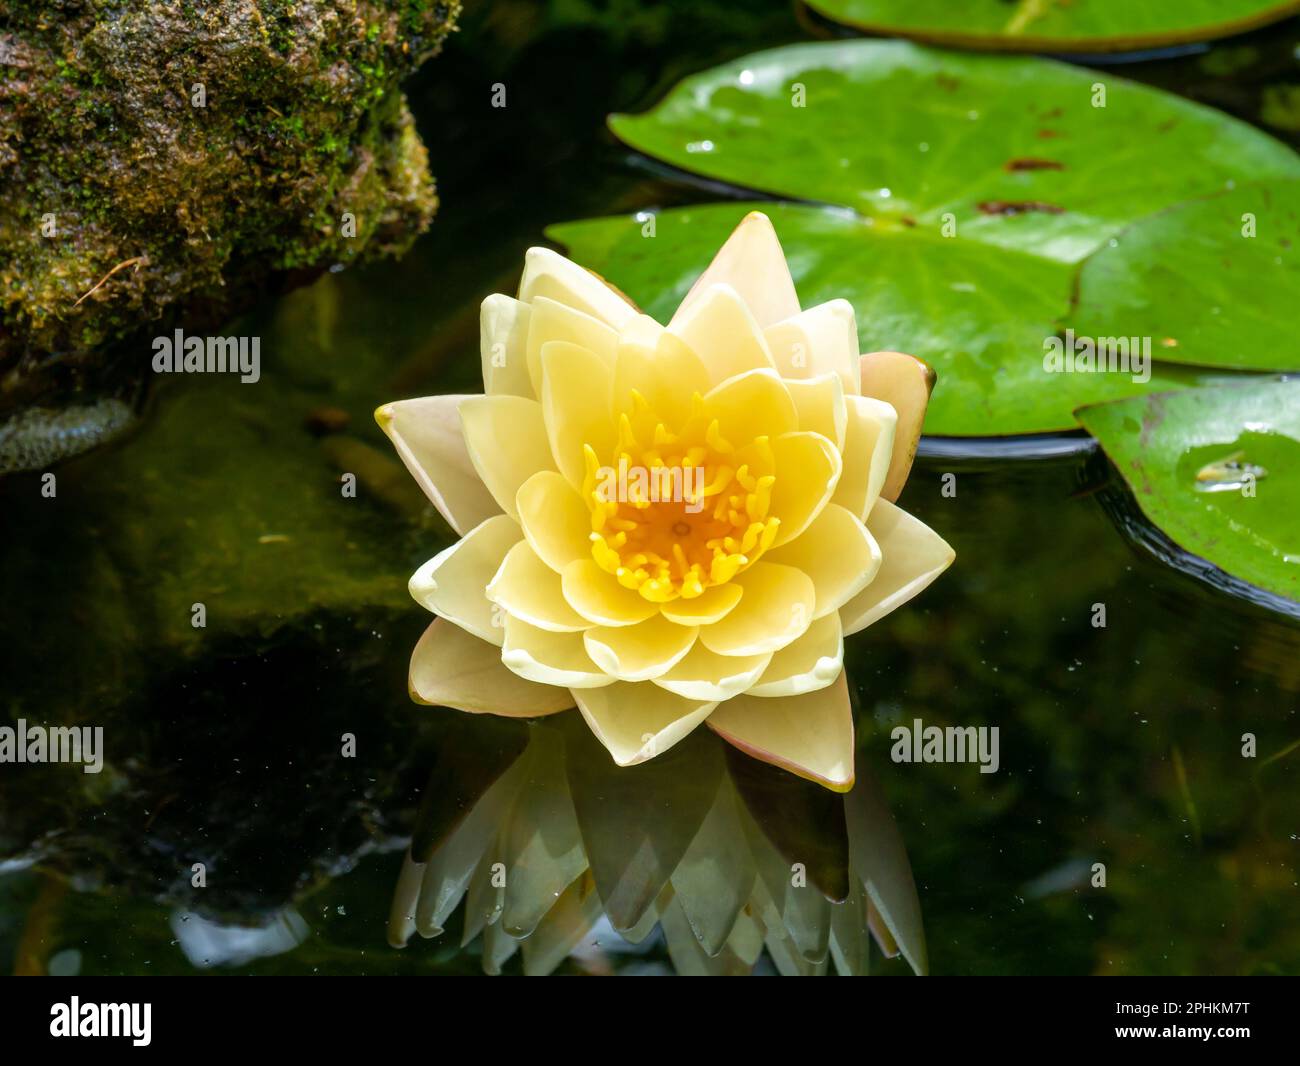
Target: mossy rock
[(164, 161)]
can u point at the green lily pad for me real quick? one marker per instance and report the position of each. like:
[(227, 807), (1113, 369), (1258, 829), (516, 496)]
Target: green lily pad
[(1057, 25), (948, 197), (1218, 471), (1213, 281), (978, 315)]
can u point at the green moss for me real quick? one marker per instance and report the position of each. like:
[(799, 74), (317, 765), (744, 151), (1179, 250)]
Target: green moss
[(301, 123)]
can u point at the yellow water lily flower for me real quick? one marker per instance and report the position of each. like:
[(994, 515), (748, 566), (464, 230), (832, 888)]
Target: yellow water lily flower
[(669, 525)]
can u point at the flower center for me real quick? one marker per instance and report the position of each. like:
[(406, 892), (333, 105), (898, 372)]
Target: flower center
[(674, 513)]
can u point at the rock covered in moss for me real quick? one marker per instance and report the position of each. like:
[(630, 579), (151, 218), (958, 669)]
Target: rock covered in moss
[(167, 160)]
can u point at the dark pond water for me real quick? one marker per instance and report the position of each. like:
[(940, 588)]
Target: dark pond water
[(1120, 745)]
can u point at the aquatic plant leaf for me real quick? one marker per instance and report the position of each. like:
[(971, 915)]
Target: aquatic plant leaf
[(1095, 26), (1218, 472), (1212, 282), (968, 267), (638, 821), (879, 858)]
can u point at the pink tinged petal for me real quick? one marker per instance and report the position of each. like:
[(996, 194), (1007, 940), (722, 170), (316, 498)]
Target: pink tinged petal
[(819, 403), (777, 607), (453, 584), (752, 263), (753, 404), (549, 274), (821, 340), (809, 735), (706, 675), (720, 329), (503, 346), (905, 383), (451, 668), (428, 438), (598, 598), (868, 448), (913, 555), (636, 722), (576, 387), (837, 552), (527, 588), (550, 658), (506, 440), (555, 521), (813, 661), (551, 321), (639, 652), (807, 476), (712, 605)]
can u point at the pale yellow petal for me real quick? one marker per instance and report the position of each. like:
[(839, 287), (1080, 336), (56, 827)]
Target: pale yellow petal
[(912, 554), (807, 664), (550, 275), (451, 668), (821, 340), (706, 675), (551, 321), (636, 722), (576, 387), (752, 263), (503, 345), (600, 599), (712, 605), (719, 328), (427, 436), (642, 651), (809, 735), (776, 608), (506, 439), (660, 368), (820, 405), (555, 520), (550, 658), (749, 405), (529, 589), (453, 584), (807, 473), (905, 383), (868, 448), (837, 552)]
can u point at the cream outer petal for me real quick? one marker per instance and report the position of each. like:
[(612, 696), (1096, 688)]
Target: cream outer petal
[(638, 721), (913, 555), (809, 735), (451, 668), (453, 584), (426, 433)]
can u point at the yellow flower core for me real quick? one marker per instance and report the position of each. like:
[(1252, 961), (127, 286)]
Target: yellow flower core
[(674, 513)]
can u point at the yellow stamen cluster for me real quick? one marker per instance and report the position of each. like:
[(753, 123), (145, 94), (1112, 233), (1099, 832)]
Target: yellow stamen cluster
[(711, 527)]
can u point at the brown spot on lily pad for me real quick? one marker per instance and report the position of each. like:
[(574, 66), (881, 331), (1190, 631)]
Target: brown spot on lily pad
[(1017, 207), (1014, 166)]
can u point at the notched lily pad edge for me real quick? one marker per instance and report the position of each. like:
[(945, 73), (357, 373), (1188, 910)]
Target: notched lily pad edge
[(1063, 46), (1121, 505)]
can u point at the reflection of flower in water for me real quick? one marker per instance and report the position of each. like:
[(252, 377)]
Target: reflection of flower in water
[(542, 842), (726, 599)]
